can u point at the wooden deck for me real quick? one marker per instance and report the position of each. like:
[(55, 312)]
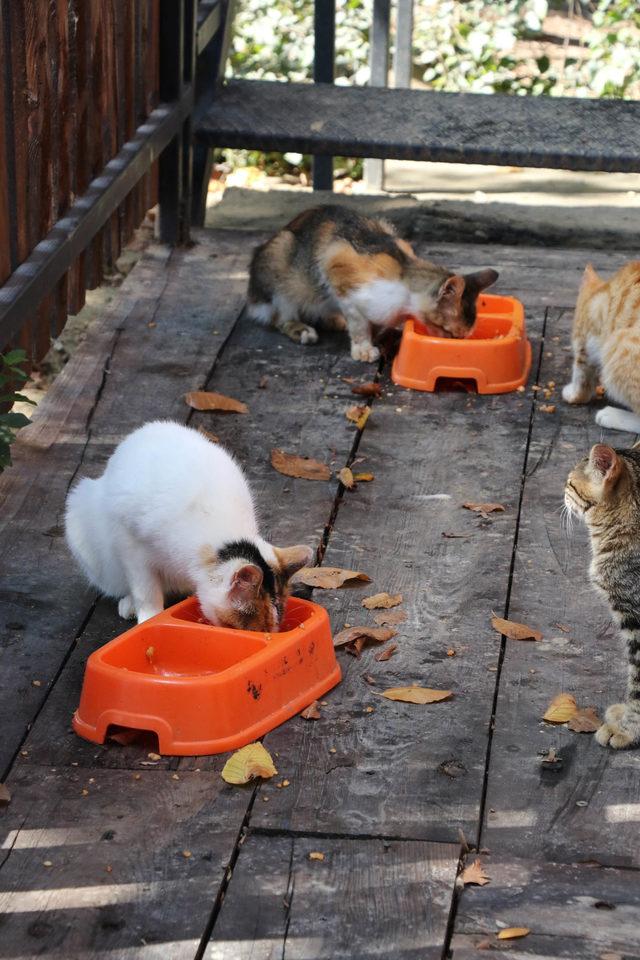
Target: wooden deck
[(95, 840)]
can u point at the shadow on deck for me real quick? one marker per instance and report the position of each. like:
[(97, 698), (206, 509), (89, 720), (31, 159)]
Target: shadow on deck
[(108, 853)]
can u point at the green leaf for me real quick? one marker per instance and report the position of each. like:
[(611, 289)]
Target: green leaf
[(13, 357), (14, 420), (543, 63)]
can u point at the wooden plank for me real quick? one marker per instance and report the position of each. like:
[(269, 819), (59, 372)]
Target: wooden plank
[(560, 132), (587, 809), (367, 898), (119, 884), (576, 911), (137, 372), (5, 139), (371, 766)]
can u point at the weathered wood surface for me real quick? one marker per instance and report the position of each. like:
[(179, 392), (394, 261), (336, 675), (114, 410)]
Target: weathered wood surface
[(577, 912), (97, 863), (154, 342), (588, 808), (560, 132), (365, 899)]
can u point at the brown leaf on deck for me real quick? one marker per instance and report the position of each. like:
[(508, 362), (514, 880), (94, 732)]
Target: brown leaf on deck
[(382, 601), (415, 694), (474, 873), (456, 536), (358, 415), (304, 468), (249, 762), (369, 679), (369, 389), (562, 708), (513, 630), (353, 634), (484, 509), (262, 383), (346, 478), (513, 933), (387, 653), (210, 436), (205, 400), (585, 720), (328, 578), (363, 477), (312, 712), (5, 795), (387, 617)]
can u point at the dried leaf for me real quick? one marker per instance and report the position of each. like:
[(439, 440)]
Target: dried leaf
[(204, 400), (262, 383), (551, 759), (358, 415), (304, 468), (513, 630), (382, 600), (456, 536), (387, 653), (512, 933), (415, 694), (363, 477), (210, 436), (369, 679), (5, 795), (125, 737), (390, 617), (585, 720), (312, 712), (351, 634), (154, 756), (474, 873), (547, 408), (484, 509), (562, 708), (346, 478), (369, 389), (316, 855), (328, 578), (249, 762)]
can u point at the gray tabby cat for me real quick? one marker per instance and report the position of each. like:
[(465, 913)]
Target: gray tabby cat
[(604, 489)]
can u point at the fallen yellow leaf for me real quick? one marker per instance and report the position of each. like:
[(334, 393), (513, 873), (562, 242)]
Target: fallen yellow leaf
[(484, 509), (415, 694), (205, 400), (358, 415), (346, 478), (382, 600), (328, 578), (562, 708), (474, 873), (316, 855), (512, 933), (363, 477), (304, 468), (513, 630), (249, 762)]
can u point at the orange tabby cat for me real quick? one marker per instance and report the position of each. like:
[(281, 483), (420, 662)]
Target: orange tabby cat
[(606, 345)]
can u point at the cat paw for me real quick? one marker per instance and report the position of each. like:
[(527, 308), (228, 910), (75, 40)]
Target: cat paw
[(573, 394), (621, 727), (365, 352), (336, 322), (126, 608), (301, 333), (148, 611)]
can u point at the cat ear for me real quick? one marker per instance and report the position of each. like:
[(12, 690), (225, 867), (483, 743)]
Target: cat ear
[(590, 278), (450, 293), (606, 461), (245, 584), (481, 279), (292, 559)]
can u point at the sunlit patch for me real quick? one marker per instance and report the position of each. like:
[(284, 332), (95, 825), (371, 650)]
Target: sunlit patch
[(55, 837), (622, 813)]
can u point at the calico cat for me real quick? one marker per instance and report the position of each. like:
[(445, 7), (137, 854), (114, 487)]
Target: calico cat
[(353, 272), (604, 489), (606, 342), (173, 512)]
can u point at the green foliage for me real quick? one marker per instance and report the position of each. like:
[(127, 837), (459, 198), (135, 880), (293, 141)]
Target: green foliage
[(11, 373)]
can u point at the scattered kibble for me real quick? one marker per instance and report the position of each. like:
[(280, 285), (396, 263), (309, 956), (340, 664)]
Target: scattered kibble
[(186, 854), (174, 776), (36, 683), (47, 863), (316, 855), (154, 756)]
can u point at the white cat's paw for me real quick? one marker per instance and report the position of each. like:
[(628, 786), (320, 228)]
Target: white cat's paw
[(148, 611), (365, 352), (603, 417), (308, 335), (126, 608), (621, 727), (573, 394)]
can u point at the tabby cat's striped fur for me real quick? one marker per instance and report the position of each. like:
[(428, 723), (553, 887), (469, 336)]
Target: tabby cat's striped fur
[(604, 489)]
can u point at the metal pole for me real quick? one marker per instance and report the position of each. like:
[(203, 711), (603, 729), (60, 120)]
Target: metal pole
[(323, 67), (403, 58), (379, 75)]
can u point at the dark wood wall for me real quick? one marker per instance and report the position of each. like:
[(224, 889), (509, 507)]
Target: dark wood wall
[(77, 77)]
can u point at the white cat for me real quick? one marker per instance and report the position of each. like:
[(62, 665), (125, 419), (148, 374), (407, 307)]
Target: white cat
[(173, 512)]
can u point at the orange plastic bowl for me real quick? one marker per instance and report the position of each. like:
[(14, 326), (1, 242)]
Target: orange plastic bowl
[(205, 689), (496, 355)]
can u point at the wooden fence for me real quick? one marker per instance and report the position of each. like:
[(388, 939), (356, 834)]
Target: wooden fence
[(79, 77)]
